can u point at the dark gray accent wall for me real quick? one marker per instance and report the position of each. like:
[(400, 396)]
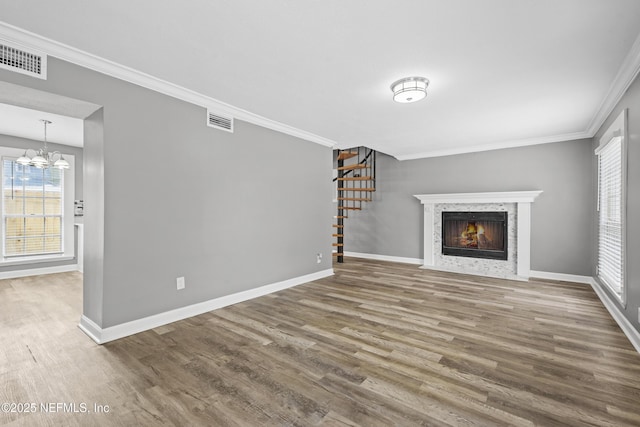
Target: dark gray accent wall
[(561, 216), (229, 212), (630, 100)]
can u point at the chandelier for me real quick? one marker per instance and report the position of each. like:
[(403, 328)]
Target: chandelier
[(42, 158)]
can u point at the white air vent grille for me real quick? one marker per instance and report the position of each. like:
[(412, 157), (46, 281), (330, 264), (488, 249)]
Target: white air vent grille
[(22, 61), (219, 122)]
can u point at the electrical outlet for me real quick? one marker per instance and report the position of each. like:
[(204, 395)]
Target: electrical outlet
[(319, 257), (180, 283)]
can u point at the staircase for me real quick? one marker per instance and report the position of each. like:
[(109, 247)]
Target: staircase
[(355, 182)]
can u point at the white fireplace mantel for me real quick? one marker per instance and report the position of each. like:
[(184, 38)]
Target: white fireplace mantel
[(494, 197), (522, 199)]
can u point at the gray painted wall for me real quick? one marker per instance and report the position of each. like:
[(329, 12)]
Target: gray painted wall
[(229, 212), (561, 216), (15, 142), (630, 100)]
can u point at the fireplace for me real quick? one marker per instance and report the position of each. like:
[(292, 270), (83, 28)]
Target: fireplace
[(517, 204), (475, 234)]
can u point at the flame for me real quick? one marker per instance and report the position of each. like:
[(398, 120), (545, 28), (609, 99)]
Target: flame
[(470, 231)]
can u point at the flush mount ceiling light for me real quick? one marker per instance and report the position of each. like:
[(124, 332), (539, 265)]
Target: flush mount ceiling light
[(42, 158), (410, 89)]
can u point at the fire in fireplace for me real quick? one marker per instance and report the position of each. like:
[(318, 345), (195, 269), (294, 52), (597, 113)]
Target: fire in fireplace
[(475, 234)]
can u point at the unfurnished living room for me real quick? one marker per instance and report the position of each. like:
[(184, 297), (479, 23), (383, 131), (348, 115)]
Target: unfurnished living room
[(301, 213)]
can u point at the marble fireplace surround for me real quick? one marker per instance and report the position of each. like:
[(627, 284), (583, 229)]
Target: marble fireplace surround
[(517, 203)]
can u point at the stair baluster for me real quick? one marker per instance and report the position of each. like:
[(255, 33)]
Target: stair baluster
[(361, 175)]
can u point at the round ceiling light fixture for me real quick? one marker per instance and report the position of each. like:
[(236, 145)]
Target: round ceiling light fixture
[(410, 89)]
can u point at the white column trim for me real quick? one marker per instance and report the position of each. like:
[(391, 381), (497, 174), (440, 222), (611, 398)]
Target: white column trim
[(429, 249), (80, 248), (523, 236)]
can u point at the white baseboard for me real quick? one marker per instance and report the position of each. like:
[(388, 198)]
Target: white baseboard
[(385, 258), (561, 277), (90, 328), (629, 330), (111, 333), (102, 336), (38, 271)]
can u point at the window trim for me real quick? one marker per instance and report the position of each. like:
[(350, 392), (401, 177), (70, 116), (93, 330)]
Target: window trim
[(68, 242), (617, 130)]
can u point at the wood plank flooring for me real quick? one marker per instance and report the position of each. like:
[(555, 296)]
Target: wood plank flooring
[(378, 344)]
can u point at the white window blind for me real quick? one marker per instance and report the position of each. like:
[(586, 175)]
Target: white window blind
[(610, 215), (33, 201)]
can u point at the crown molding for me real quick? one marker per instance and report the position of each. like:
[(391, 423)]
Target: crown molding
[(495, 146), (27, 39), (626, 75)]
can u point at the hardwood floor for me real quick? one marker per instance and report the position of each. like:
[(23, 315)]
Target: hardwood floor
[(378, 344)]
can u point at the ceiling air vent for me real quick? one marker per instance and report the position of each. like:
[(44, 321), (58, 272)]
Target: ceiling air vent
[(219, 122), (22, 61)]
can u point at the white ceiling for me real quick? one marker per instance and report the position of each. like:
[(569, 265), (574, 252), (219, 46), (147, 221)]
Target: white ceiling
[(26, 123), (503, 72)]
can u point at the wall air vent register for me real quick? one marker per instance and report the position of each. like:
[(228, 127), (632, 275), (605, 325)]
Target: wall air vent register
[(23, 61), (219, 122)]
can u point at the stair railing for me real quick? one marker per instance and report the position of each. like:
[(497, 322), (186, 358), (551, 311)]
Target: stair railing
[(366, 184)]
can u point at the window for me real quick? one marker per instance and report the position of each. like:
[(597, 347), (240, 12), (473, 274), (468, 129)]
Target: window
[(32, 209), (37, 223), (611, 209)]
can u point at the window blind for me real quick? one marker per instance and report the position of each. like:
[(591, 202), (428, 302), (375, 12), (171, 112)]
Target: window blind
[(610, 215), (32, 214)]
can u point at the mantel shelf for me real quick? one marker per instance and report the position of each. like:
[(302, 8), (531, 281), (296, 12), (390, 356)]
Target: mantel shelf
[(492, 197)]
